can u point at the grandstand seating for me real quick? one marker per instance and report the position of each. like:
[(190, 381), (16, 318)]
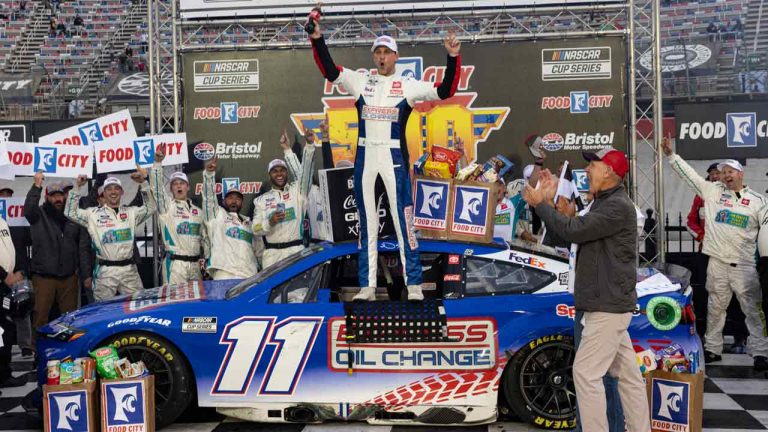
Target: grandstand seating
[(67, 59)]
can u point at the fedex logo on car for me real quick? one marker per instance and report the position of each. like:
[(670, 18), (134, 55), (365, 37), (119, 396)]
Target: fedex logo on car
[(669, 411), (431, 209), (527, 260), (124, 406), (67, 411)]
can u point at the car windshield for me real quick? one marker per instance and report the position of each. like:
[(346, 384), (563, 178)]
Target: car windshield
[(271, 270)]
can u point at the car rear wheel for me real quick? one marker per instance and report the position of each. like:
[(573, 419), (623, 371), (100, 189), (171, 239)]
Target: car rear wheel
[(538, 383), (174, 386)]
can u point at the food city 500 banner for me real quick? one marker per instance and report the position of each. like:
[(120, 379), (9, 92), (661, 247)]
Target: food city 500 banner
[(569, 92)]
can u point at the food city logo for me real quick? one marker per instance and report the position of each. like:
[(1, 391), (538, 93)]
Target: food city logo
[(740, 130), (124, 406), (67, 411), (231, 183), (3, 209), (563, 64), (45, 159), (579, 102), (226, 112), (670, 401), (554, 141), (144, 149), (431, 204), (226, 75), (435, 122), (470, 210), (471, 345)]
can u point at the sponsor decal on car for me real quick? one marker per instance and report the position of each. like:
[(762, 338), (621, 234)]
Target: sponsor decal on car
[(472, 346), (564, 310), (198, 325), (144, 319), (527, 260), (166, 294)]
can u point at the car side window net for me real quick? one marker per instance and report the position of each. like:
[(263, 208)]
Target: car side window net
[(491, 277)]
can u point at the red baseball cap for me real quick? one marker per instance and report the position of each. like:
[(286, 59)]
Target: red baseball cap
[(611, 157)]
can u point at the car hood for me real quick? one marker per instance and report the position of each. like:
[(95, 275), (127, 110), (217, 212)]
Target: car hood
[(152, 299)]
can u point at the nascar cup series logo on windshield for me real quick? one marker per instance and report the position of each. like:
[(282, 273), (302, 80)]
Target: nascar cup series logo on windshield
[(67, 411), (45, 159), (144, 150), (670, 401)]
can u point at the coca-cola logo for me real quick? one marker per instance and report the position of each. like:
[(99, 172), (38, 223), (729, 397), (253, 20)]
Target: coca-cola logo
[(349, 202)]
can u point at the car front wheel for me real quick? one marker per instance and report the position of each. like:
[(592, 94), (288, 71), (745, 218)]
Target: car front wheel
[(538, 383), (174, 386)]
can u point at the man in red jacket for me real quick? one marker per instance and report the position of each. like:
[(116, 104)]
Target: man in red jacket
[(696, 215)]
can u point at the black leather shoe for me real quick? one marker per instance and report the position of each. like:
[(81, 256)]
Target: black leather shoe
[(710, 357), (761, 364), (13, 381)]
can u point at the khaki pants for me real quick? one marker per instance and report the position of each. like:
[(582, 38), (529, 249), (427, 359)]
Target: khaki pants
[(46, 290), (606, 348), (110, 280)]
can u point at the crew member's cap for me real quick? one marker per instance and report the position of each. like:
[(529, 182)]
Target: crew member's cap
[(100, 190), (528, 172), (112, 181), (276, 163), (233, 190), (178, 175), (714, 166), (731, 163), (611, 157), (384, 41), (57, 187)]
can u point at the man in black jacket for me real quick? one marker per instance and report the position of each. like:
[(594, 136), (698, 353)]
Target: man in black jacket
[(604, 288), (59, 251)]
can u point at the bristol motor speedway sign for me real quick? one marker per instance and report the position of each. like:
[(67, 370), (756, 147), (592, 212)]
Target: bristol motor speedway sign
[(722, 130)]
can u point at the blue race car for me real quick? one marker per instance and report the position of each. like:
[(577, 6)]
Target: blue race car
[(494, 335)]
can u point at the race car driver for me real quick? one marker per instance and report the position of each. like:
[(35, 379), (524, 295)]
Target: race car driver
[(181, 224), (112, 227), (384, 102), (731, 221), (278, 214), (229, 233)]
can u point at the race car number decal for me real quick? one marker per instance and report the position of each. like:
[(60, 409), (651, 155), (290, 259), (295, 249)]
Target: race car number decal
[(247, 336)]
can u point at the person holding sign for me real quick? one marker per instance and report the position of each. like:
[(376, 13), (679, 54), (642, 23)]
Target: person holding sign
[(232, 249), (279, 213), (181, 224), (112, 227), (384, 102)]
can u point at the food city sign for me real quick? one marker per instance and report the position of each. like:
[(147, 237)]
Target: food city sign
[(722, 130), (439, 122)]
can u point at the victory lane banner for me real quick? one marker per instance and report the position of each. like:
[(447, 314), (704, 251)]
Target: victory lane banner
[(141, 151), (12, 210)]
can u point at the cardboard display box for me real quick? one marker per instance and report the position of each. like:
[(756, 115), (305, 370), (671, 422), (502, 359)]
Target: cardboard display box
[(676, 401), (431, 204), (128, 405), (70, 407), (472, 211)]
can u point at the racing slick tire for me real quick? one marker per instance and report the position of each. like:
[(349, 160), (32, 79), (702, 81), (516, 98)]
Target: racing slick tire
[(174, 384), (538, 383)]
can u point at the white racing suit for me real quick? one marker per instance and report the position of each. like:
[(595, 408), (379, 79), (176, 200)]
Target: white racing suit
[(181, 225), (285, 238), (230, 236), (112, 233), (731, 222), (384, 104)]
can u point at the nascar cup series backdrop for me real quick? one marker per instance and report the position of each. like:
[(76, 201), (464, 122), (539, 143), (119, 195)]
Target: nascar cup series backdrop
[(569, 92)]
